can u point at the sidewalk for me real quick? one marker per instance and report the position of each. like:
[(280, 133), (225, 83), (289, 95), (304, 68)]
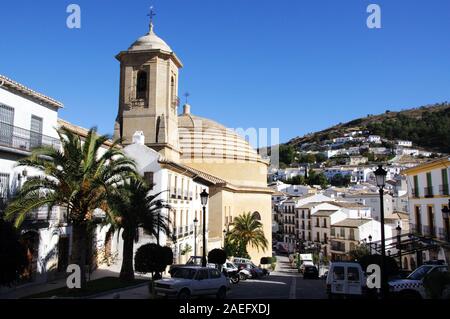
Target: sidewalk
[(31, 289)]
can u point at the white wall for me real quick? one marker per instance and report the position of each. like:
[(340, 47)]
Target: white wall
[(25, 108)]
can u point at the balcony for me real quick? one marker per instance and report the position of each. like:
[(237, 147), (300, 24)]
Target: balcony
[(428, 192), (443, 234), (337, 246), (429, 231), (415, 192), (443, 190), (173, 193), (179, 193), (24, 140), (416, 229)]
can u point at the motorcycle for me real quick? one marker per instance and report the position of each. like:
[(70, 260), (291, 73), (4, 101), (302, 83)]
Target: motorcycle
[(232, 275)]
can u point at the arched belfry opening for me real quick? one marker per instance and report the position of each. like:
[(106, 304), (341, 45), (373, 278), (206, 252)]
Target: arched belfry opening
[(141, 84)]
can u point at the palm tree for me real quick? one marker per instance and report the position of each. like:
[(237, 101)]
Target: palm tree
[(247, 231), (77, 177), (133, 207)]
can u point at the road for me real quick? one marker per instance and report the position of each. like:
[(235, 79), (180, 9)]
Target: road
[(284, 283)]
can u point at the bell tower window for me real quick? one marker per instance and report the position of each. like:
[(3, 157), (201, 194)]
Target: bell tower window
[(141, 85)]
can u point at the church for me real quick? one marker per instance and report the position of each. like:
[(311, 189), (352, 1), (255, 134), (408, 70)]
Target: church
[(206, 152)]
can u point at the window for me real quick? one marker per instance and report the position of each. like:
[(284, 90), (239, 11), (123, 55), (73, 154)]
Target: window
[(4, 185), (141, 85), (444, 188), (333, 233), (429, 188), (352, 274), (338, 273), (256, 216), (6, 125), (416, 186), (148, 178), (342, 232), (36, 132)]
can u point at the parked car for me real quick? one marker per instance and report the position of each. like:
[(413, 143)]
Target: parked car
[(310, 272), (412, 287), (346, 279), (191, 281)]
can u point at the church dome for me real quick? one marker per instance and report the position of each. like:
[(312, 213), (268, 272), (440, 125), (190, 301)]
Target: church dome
[(202, 138), (150, 41)]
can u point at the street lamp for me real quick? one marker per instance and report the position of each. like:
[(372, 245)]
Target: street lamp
[(446, 217), (224, 235), (370, 244), (195, 235), (204, 200), (380, 176), (399, 247)]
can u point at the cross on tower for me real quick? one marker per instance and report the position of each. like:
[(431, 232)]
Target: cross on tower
[(151, 14)]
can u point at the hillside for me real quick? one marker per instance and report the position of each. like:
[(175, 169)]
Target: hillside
[(427, 127)]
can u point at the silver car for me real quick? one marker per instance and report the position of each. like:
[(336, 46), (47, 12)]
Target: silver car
[(191, 281)]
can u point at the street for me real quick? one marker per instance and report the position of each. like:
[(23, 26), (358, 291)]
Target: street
[(284, 283)]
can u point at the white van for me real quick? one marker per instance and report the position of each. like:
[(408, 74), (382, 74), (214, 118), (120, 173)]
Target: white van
[(346, 279)]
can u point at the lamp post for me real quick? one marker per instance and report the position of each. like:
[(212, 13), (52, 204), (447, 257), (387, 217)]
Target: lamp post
[(399, 247), (370, 244), (204, 199), (224, 235), (195, 236), (445, 217), (159, 207), (380, 175)]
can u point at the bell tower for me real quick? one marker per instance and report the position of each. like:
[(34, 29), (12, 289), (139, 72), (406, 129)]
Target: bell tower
[(148, 99)]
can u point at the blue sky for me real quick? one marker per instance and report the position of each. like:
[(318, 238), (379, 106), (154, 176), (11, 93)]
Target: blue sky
[(298, 65)]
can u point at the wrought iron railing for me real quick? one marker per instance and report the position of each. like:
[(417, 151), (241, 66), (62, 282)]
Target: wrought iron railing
[(443, 189), (22, 139), (428, 191), (429, 231)]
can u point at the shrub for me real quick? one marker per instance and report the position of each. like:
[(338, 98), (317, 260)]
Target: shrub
[(152, 258), (217, 256)]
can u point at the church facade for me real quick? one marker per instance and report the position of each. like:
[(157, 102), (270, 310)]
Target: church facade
[(148, 104)]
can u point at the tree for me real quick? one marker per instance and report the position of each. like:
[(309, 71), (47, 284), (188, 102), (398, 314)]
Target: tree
[(131, 207), (287, 154), (358, 252), (233, 248), (79, 177), (296, 180), (13, 256), (152, 258), (247, 230), (340, 181)]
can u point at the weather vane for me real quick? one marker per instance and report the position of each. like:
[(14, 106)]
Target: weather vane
[(151, 14)]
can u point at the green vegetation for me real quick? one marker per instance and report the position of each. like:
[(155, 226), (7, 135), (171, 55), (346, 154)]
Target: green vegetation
[(247, 230), (430, 130), (79, 177), (340, 181), (92, 288), (132, 207)]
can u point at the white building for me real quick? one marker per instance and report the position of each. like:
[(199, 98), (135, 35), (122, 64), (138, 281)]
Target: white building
[(374, 139), (404, 143), (180, 188), (372, 200), (27, 120), (428, 192), (347, 234)]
